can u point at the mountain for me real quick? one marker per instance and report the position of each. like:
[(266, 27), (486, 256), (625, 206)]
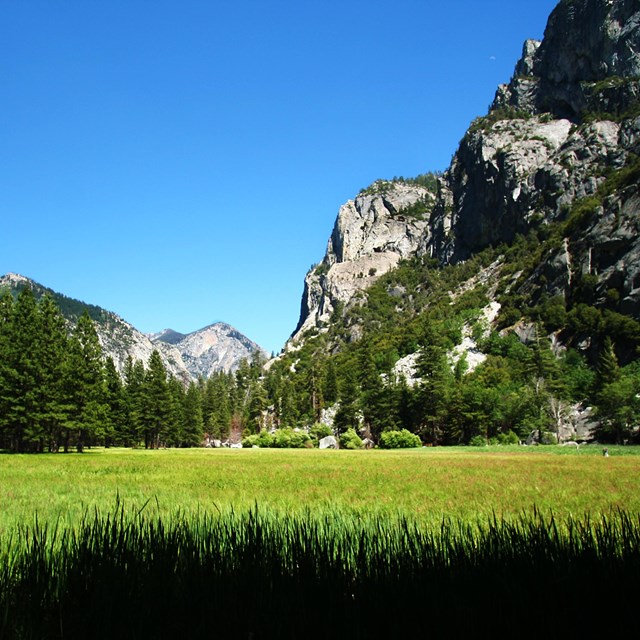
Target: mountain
[(218, 347), (558, 147), (498, 300), (215, 348)]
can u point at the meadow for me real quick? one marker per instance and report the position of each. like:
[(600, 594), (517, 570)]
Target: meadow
[(426, 484), (305, 543)]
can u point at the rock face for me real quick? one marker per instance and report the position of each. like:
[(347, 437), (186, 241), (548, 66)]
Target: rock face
[(218, 347), (385, 223), (569, 116)]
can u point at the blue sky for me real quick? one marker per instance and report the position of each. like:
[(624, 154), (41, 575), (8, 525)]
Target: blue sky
[(183, 162)]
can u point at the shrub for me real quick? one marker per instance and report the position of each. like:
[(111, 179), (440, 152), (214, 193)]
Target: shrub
[(350, 439), (507, 438), (478, 441), (320, 430), (402, 439), (548, 437), (290, 439), (262, 439)]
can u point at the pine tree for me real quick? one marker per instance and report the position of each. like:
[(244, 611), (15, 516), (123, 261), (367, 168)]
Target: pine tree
[(431, 396), (113, 394), (175, 416), (608, 369), (347, 416), (84, 386), (6, 318), (51, 348), (156, 403), (218, 422), (330, 383), (193, 429), (19, 384), (134, 378)]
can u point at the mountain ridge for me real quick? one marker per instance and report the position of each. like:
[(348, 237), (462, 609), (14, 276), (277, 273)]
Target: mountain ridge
[(122, 340)]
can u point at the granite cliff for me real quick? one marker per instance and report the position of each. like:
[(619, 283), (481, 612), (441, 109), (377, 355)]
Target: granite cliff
[(559, 145)]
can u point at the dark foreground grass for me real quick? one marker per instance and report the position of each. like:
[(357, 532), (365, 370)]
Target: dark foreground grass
[(261, 574)]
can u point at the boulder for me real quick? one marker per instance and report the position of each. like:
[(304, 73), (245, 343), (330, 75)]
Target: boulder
[(328, 442)]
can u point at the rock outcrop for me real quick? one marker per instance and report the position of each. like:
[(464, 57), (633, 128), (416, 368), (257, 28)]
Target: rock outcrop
[(385, 223)]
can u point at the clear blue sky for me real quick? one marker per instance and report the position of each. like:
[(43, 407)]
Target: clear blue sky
[(181, 162)]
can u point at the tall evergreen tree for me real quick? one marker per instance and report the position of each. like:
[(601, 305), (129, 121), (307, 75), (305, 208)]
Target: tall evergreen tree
[(218, 421), (156, 403), (51, 348), (19, 402), (115, 419), (84, 386), (134, 381), (193, 429), (348, 416)]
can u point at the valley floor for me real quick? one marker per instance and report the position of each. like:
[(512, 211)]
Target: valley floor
[(428, 484)]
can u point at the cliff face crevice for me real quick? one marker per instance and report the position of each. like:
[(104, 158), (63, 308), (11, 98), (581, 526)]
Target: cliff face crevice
[(569, 118)]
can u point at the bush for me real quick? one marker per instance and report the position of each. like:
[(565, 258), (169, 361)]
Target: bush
[(350, 439), (262, 439), (320, 430), (402, 439), (548, 437), (478, 441), (506, 438), (290, 439)]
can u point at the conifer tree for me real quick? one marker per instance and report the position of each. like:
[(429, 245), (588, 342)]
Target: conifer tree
[(218, 421), (347, 416), (134, 379), (176, 414), (6, 317), (608, 369), (193, 429), (156, 403), (19, 400), (84, 386), (51, 348), (115, 419)]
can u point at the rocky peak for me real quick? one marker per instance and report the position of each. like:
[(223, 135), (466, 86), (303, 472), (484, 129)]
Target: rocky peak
[(119, 339), (217, 347), (386, 222), (589, 61), (569, 117)]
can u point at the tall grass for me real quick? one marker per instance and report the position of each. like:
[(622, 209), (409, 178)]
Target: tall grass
[(322, 574)]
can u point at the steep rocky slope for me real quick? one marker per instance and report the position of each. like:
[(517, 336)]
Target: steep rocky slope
[(385, 223), (559, 145)]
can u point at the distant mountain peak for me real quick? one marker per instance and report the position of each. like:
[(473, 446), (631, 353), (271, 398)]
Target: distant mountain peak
[(166, 335), (216, 347)]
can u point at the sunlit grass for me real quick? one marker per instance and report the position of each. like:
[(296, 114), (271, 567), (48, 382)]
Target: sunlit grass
[(426, 484)]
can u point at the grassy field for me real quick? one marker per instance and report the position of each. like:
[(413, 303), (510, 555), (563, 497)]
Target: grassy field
[(427, 484), (319, 544)]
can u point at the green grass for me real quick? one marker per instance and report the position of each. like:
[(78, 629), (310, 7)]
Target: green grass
[(264, 543), (260, 574), (428, 484)]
